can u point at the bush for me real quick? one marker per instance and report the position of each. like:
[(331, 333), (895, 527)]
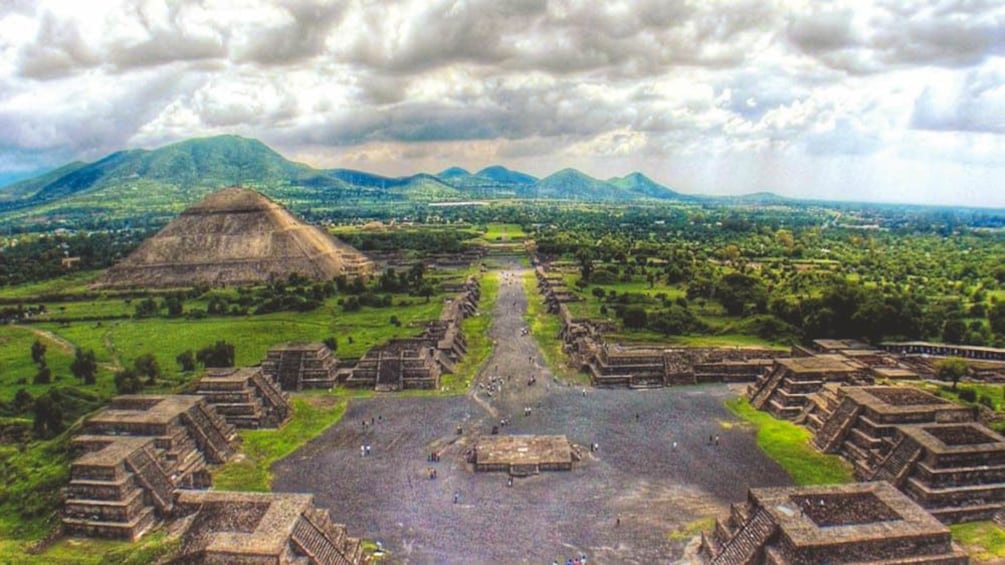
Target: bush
[(968, 394), (128, 382)]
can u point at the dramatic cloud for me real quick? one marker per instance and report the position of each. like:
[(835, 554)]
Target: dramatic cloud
[(877, 100)]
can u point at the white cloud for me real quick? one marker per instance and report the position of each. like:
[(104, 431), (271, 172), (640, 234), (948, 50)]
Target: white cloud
[(852, 98)]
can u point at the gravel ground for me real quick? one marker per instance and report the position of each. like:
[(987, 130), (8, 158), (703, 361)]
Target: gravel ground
[(636, 475)]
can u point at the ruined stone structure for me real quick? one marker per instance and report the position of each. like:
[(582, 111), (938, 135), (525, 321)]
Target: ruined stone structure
[(930, 448), (296, 366), (785, 389), (418, 362), (861, 422), (522, 455), (955, 471), (135, 453), (397, 365), (946, 350), (246, 398), (859, 523), (552, 286), (229, 527), (235, 236)]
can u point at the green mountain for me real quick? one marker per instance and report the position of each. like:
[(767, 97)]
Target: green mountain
[(639, 184), (505, 176), (159, 183)]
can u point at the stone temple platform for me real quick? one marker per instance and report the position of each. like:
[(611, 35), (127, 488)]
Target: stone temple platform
[(858, 523), (523, 454)]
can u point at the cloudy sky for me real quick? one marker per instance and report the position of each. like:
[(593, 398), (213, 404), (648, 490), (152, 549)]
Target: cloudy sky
[(883, 100)]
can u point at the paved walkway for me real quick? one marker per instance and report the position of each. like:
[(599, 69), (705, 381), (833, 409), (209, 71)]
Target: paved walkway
[(636, 475)]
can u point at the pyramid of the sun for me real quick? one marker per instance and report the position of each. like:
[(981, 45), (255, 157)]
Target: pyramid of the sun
[(235, 236)]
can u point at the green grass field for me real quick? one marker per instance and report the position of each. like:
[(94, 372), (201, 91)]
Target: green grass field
[(544, 328), (983, 541), (789, 445), (17, 368), (476, 333), (312, 414), (497, 233)]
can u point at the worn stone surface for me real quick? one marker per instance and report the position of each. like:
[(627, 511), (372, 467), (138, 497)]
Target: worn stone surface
[(235, 236), (636, 474)]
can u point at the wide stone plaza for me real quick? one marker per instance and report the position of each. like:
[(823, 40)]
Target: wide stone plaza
[(663, 458)]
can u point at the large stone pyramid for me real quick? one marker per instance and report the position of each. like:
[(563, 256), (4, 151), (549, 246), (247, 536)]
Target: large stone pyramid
[(235, 236)]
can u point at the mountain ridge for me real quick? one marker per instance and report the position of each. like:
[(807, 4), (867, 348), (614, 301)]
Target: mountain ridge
[(166, 178)]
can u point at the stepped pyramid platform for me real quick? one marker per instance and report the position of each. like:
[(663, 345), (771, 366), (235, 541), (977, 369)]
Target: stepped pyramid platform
[(236, 527), (523, 455), (399, 364), (956, 471), (863, 523), (785, 389), (860, 422), (117, 487), (235, 236), (246, 398), (296, 366), (179, 422)]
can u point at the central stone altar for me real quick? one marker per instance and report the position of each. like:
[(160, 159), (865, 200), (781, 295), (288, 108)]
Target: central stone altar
[(523, 455)]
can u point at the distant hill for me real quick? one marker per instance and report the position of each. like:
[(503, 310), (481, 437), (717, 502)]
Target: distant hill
[(504, 175), (161, 182), (638, 183)]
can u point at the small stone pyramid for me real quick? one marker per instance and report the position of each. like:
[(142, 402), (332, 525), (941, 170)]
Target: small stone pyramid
[(234, 236)]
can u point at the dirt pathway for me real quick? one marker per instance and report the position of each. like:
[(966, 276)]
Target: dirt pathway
[(60, 342)]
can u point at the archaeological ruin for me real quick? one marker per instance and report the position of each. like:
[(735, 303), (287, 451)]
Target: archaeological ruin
[(858, 523), (245, 397), (242, 527), (134, 454), (298, 366), (417, 363), (235, 236), (522, 455), (783, 391)]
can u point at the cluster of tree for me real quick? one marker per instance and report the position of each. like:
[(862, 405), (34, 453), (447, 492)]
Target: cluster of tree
[(423, 240), (798, 272), (39, 258)]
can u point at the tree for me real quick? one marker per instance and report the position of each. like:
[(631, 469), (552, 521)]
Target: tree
[(634, 317), (43, 376), (174, 306), (146, 366), (186, 361), (220, 354), (84, 366), (736, 290), (996, 317), (953, 330), (48, 416), (331, 343), (128, 382), (951, 369), (38, 352), (22, 402), (585, 256), (147, 308)]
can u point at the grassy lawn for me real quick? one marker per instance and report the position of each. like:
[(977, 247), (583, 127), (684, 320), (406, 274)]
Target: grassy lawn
[(789, 445), (545, 327), (312, 414), (503, 232), (983, 541), (74, 283), (476, 332), (16, 367)]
